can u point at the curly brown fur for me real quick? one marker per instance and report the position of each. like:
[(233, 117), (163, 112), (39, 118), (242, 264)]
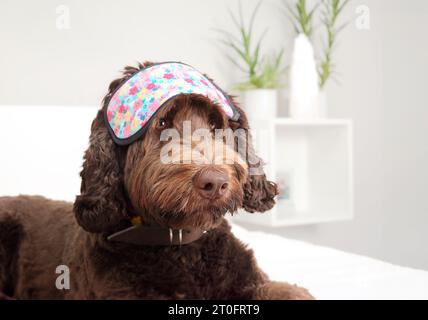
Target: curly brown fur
[(37, 234), (11, 235)]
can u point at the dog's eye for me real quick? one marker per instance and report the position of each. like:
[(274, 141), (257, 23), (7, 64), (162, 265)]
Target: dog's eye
[(162, 123)]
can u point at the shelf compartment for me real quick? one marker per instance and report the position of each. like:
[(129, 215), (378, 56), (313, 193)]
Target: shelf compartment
[(312, 162)]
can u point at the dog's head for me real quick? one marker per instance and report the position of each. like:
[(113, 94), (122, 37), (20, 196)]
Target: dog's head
[(192, 165)]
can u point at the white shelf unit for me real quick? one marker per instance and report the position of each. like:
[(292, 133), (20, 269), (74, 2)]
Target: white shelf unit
[(312, 161)]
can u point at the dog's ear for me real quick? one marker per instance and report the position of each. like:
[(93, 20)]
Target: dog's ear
[(259, 193), (101, 204)]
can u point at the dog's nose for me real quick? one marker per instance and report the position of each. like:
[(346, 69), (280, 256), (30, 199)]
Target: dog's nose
[(211, 184)]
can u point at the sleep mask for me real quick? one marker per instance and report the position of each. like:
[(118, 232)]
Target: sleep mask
[(136, 101)]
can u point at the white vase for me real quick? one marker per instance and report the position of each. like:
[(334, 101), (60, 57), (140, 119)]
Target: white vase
[(303, 80), (260, 104)]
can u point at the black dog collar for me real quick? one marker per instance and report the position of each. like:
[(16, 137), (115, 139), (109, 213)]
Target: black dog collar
[(155, 236)]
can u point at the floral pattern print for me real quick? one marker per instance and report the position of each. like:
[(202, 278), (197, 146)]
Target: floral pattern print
[(133, 104)]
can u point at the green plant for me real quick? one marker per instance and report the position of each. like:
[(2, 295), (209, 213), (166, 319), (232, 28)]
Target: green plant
[(268, 77), (302, 20), (300, 17), (331, 11), (261, 72)]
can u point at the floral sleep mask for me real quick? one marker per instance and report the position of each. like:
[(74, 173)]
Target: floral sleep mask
[(136, 101)]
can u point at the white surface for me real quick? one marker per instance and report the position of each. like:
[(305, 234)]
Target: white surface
[(315, 158), (260, 104), (312, 122), (330, 273), (41, 149)]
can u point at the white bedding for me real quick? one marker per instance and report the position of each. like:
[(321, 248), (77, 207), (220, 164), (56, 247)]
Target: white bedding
[(330, 273)]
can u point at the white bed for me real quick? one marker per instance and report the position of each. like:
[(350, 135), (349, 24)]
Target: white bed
[(330, 273), (55, 138)]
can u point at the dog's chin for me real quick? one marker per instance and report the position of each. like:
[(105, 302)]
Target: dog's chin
[(202, 214)]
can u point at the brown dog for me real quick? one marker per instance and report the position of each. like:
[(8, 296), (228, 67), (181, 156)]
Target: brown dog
[(118, 182)]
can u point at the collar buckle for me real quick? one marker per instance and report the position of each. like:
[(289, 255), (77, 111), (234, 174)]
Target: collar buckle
[(171, 236)]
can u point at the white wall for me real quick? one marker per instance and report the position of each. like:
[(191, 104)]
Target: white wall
[(43, 65), (383, 88)]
